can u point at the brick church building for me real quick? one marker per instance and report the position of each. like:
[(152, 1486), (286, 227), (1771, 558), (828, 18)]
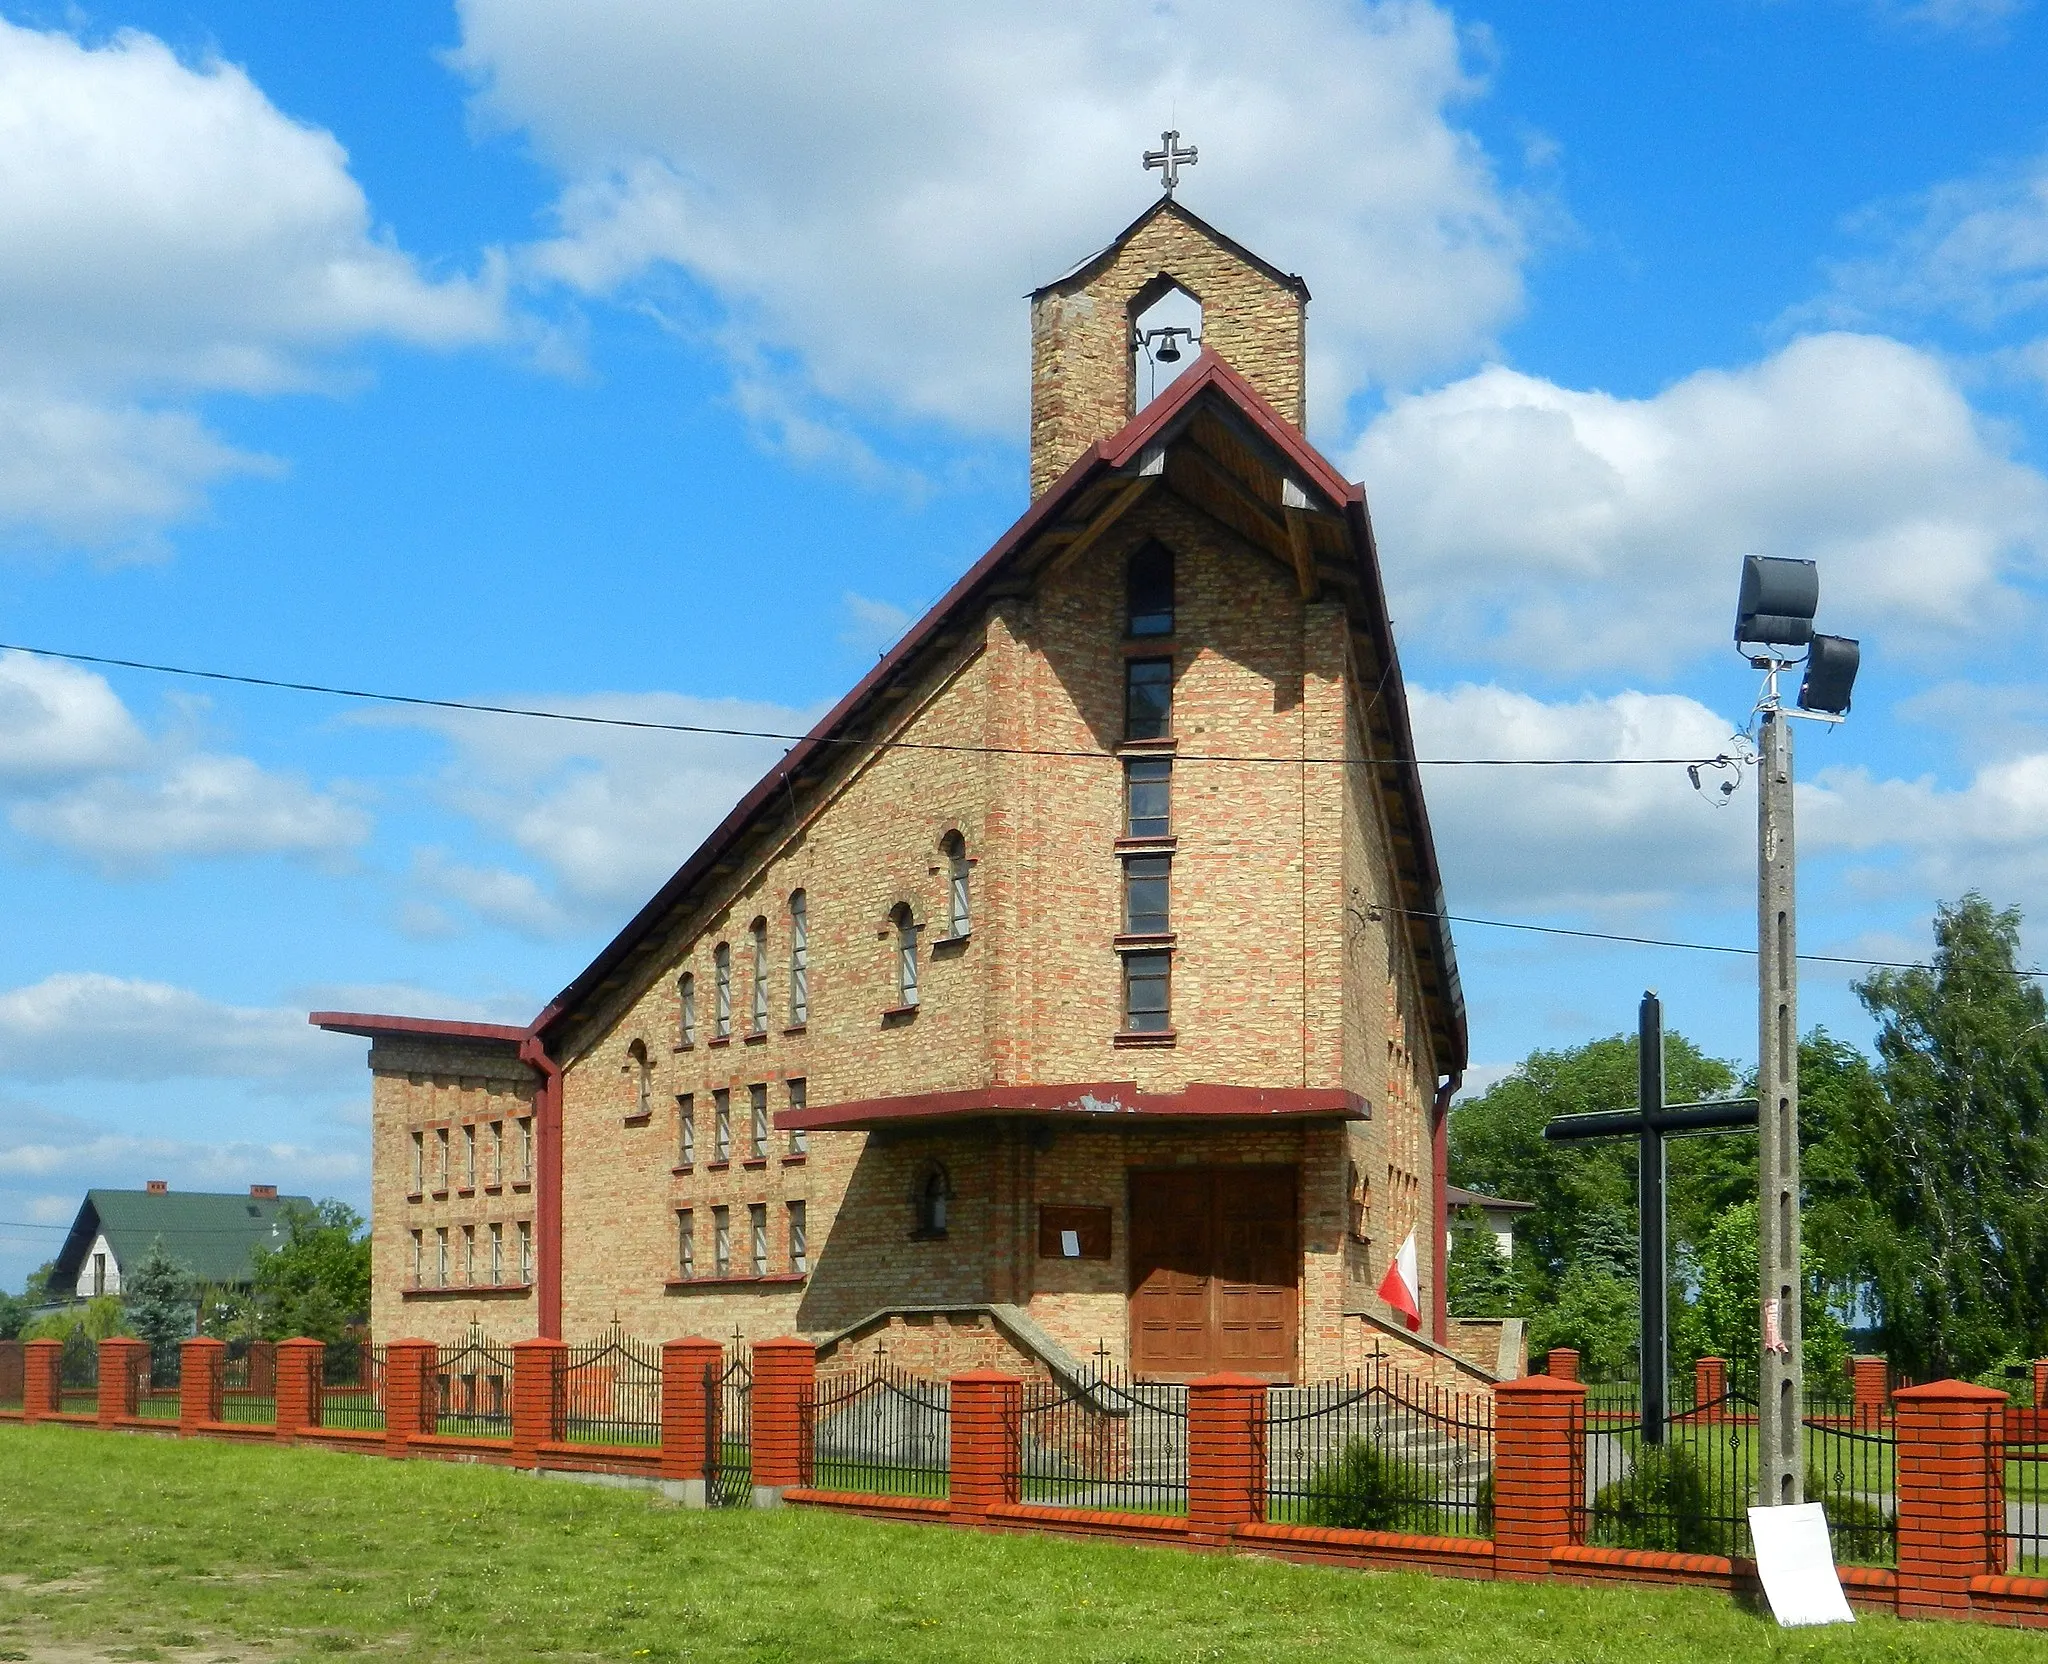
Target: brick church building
[(1077, 989)]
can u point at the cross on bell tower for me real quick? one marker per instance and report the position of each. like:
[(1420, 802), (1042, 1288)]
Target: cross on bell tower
[(1169, 159)]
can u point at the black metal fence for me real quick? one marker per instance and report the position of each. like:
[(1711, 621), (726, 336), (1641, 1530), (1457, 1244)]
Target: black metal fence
[(609, 1391), (1102, 1440), (1691, 1492), (1380, 1451), (877, 1430), (78, 1374), (729, 1430), (248, 1394), (473, 1387), (2026, 1493), (356, 1399)]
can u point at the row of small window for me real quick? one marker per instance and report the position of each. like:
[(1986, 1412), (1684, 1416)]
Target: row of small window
[(959, 924), (757, 1242), (721, 1125), (483, 1262), (483, 1155)]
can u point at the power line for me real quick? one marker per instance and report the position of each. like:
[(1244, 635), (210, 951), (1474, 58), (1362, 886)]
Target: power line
[(1663, 941), (711, 730)]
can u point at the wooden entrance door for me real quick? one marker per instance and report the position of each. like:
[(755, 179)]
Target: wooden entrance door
[(1215, 1271)]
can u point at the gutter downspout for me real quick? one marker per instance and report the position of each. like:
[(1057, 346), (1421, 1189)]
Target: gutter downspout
[(547, 1185), (1439, 1208)]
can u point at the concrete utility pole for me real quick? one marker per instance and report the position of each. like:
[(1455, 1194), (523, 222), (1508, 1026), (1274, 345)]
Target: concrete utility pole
[(1781, 1476)]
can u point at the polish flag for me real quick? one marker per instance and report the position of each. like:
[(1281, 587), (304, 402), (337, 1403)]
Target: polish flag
[(1401, 1287)]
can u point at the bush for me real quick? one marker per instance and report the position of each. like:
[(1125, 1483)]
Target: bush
[(1664, 1503), (1367, 1489)]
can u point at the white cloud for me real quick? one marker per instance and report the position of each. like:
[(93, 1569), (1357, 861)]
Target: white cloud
[(194, 806), (1569, 528), (57, 720), (1949, 16), (83, 1025), (1614, 842), (607, 814), (39, 1144), (871, 625), (1989, 834), (164, 231), (871, 188)]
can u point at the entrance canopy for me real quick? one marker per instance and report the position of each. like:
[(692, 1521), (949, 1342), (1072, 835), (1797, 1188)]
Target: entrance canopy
[(1115, 1102)]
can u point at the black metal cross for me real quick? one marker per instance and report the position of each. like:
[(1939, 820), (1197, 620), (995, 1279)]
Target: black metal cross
[(1651, 1123), (1169, 159)]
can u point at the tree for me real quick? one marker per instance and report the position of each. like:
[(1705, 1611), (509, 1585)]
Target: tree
[(14, 1310), (316, 1282), (157, 1297), (1483, 1281), (1723, 1276), (1955, 1155)]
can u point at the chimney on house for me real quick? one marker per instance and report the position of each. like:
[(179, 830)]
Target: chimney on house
[(265, 1192), (157, 1187)]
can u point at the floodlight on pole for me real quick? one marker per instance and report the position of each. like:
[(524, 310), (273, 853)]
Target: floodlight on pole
[(1775, 611)]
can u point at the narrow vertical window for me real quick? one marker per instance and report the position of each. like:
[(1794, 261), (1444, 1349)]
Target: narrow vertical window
[(1147, 986), (642, 1071), (721, 1131), (959, 904), (721, 999), (419, 1258), (799, 960), (686, 1244), (759, 933), (526, 1149), (686, 1001), (686, 1130), (905, 927), (1148, 797), (525, 1251), (929, 1201), (497, 1253), (441, 1257), (757, 1231), (419, 1162), (99, 1274), (440, 1158), (469, 1155), (757, 1140), (1148, 699), (1146, 878), (469, 1253), (799, 1140), (1149, 592), (497, 1152), (799, 1240), (721, 1242)]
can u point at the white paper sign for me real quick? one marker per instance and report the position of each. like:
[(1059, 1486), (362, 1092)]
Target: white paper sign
[(1797, 1564), (1070, 1244)]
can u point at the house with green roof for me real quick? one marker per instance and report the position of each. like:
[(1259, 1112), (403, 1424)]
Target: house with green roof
[(213, 1236)]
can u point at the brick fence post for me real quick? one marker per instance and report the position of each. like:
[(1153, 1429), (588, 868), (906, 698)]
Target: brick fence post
[(1226, 1454), (1870, 1389), (301, 1374), (537, 1367), (1539, 1430), (202, 1364), (689, 1375), (985, 1459), (1951, 1494), (412, 1404), (120, 1358), (785, 1379), (1561, 1363), (42, 1379), (2040, 1385), (1710, 1388)]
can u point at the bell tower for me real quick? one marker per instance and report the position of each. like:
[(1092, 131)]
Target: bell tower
[(1084, 355)]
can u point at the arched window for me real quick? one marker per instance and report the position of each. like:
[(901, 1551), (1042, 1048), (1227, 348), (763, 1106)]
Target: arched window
[(758, 930), (721, 976), (642, 1072), (959, 912), (686, 998), (904, 925), (799, 961), (929, 1200), (1148, 592)]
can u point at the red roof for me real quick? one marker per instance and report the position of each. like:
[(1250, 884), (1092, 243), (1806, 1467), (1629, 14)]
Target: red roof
[(1092, 1101)]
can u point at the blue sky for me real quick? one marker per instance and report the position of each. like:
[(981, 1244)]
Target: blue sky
[(664, 361)]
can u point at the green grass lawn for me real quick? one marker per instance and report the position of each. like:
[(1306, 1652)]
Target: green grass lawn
[(123, 1547)]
